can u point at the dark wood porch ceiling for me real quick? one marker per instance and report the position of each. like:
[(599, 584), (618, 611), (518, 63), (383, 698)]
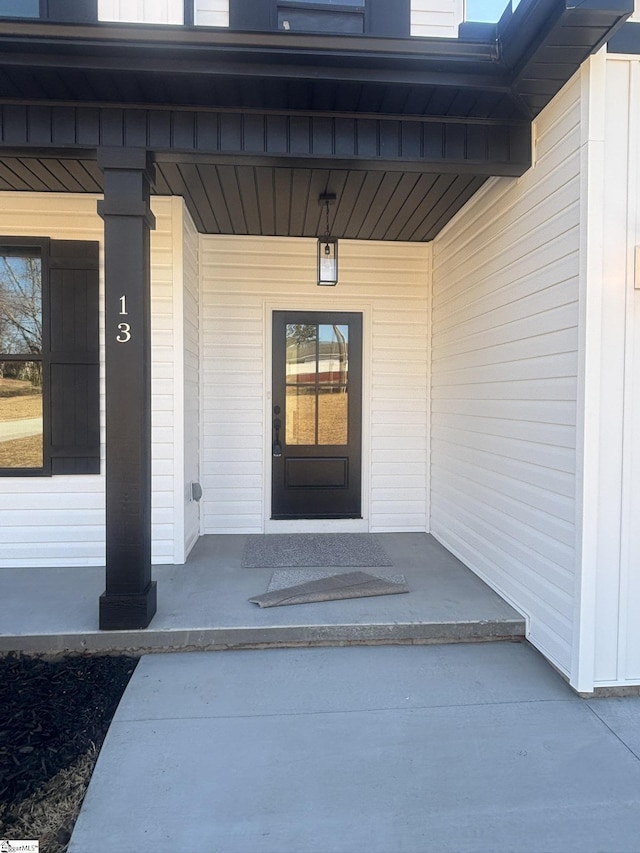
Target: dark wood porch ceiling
[(250, 128)]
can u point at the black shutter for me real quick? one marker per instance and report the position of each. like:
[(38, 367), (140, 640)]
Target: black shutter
[(72, 11), (388, 18), (252, 15), (74, 357)]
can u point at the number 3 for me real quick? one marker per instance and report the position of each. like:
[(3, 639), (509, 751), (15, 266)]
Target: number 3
[(125, 333)]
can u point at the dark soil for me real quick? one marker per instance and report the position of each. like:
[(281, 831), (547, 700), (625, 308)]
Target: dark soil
[(53, 712)]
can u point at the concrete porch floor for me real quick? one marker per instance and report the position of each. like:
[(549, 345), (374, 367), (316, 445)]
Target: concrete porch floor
[(204, 605)]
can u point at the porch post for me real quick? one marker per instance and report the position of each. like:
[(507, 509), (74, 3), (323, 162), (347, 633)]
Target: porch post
[(130, 597)]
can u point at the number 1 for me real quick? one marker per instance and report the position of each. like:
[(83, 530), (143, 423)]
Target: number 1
[(123, 305)]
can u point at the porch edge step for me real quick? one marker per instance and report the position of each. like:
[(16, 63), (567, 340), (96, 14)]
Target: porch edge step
[(212, 639)]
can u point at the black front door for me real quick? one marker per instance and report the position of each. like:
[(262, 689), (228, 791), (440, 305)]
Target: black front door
[(316, 414)]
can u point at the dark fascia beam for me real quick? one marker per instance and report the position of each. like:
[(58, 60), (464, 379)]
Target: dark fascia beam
[(523, 31), (492, 79)]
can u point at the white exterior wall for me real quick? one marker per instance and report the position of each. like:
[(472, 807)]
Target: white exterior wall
[(243, 279), (612, 500), (59, 521), (505, 381), (436, 18)]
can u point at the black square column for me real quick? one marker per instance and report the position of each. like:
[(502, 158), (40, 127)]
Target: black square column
[(130, 597)]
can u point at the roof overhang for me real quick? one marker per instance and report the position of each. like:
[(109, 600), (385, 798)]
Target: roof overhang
[(413, 126)]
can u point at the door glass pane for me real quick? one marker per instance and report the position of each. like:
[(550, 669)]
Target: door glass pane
[(301, 414), (333, 371), (21, 414), (332, 415), (301, 353), (20, 301)]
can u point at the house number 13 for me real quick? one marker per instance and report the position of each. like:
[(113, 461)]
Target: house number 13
[(124, 329)]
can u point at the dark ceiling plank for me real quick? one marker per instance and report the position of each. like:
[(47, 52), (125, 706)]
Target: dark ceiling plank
[(266, 199), (414, 199), (300, 182), (192, 179), (363, 202), (175, 183), (85, 179), (424, 208), (469, 189), (39, 169), (60, 170), (246, 177), (229, 183), (22, 171), (96, 174), (211, 180), (9, 177), (387, 187), (315, 213), (282, 188), (393, 205), (348, 199), (449, 203)]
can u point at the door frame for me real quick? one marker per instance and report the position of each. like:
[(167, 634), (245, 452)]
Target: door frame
[(327, 302)]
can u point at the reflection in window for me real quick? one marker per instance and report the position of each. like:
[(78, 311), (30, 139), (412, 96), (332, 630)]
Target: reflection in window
[(21, 414), (21, 365), (19, 8), (317, 384), (326, 16)]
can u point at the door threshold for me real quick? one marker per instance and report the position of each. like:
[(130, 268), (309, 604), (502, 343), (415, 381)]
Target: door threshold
[(316, 525)]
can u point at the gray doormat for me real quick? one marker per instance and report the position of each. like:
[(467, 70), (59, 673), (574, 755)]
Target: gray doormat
[(333, 588), (279, 550)]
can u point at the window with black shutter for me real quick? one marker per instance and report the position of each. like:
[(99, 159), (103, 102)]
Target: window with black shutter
[(341, 17), (49, 357)]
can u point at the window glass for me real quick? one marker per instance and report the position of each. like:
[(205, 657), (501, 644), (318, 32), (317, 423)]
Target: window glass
[(317, 367), (21, 376), (20, 301), (19, 8), (320, 21), (21, 444)]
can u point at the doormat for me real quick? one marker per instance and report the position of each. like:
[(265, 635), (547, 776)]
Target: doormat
[(332, 588), (275, 551), (293, 577)]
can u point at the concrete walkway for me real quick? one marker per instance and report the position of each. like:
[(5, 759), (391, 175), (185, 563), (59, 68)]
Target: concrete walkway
[(388, 749)]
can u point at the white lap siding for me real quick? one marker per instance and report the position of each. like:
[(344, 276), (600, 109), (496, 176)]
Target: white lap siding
[(212, 13), (436, 18), (504, 381), (241, 277), (59, 521)]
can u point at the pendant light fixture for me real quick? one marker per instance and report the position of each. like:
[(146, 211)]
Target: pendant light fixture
[(327, 249)]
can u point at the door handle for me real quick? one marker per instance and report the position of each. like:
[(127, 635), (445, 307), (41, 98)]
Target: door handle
[(277, 447)]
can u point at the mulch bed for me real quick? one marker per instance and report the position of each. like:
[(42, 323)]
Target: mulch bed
[(54, 713)]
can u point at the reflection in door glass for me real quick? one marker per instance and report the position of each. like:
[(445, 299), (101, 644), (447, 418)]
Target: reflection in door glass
[(317, 367)]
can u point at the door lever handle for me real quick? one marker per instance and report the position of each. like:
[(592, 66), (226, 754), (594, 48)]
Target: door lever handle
[(277, 447)]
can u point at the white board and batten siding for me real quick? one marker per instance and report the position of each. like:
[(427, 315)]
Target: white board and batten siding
[(504, 381), (243, 280), (615, 379), (59, 521)]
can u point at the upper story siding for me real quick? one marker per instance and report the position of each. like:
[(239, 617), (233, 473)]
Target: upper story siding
[(432, 18)]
